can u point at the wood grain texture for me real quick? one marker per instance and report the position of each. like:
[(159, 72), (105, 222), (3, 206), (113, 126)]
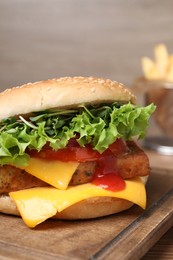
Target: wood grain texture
[(120, 236), (163, 248), (135, 240)]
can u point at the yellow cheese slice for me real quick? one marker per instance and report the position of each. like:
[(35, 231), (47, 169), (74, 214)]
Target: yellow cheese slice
[(56, 173), (38, 204)]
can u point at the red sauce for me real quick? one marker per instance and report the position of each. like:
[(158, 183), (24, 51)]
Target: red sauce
[(110, 182), (106, 174)]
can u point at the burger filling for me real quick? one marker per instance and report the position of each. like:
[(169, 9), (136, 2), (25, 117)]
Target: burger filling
[(62, 149), (125, 164)]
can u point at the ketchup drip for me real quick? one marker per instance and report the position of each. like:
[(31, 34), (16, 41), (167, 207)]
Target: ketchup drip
[(106, 173)]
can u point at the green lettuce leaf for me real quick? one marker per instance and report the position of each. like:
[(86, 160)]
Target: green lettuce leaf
[(98, 125)]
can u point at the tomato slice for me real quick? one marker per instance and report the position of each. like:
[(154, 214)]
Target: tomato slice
[(73, 152), (79, 154)]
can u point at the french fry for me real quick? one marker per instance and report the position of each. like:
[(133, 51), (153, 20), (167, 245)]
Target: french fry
[(161, 68), (161, 59), (149, 68), (169, 75)]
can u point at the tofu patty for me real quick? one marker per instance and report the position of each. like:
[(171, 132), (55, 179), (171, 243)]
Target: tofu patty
[(134, 162)]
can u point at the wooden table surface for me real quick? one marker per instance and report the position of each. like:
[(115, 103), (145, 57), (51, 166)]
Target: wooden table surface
[(46, 39), (164, 247)]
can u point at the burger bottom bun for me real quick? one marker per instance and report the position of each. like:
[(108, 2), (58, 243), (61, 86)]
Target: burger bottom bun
[(94, 208), (86, 209)]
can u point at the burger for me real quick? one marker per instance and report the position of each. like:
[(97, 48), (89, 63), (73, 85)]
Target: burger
[(67, 149)]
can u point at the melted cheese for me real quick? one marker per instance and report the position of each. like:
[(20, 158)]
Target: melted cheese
[(56, 173), (38, 204)]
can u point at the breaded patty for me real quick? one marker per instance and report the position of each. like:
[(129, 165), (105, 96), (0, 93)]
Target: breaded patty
[(134, 162)]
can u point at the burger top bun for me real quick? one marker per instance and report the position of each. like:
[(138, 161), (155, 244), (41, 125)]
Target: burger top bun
[(59, 93)]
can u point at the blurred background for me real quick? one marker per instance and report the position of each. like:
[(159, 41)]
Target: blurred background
[(42, 39)]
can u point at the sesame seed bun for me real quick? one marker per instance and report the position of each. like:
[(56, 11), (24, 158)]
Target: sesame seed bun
[(59, 93)]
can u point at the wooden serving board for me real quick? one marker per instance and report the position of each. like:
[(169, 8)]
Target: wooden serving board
[(127, 235)]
